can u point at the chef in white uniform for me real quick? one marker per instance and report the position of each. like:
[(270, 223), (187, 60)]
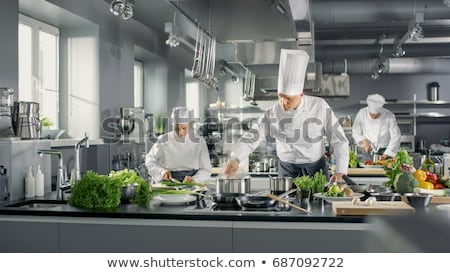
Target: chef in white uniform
[(179, 154), (299, 124), (375, 129)]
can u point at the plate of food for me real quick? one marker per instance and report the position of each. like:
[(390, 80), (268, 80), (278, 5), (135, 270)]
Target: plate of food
[(181, 199), (322, 195)]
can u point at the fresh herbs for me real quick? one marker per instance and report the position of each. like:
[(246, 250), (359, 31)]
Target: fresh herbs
[(320, 180), (104, 191), (393, 166), (353, 160), (304, 183), (96, 191)]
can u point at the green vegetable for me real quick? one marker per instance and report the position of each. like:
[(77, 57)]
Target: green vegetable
[(393, 166), (304, 182), (320, 180), (334, 194), (406, 183), (96, 191), (353, 160), (104, 191), (126, 176)]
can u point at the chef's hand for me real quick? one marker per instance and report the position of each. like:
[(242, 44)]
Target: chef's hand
[(231, 167), (338, 177), (365, 145), (384, 156), (188, 179), (167, 175)]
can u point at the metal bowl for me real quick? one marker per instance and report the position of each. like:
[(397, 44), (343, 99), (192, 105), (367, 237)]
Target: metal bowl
[(128, 192), (419, 200), (387, 196), (379, 189), (361, 188)]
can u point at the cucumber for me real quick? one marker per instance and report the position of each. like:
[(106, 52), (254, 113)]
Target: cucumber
[(433, 192)]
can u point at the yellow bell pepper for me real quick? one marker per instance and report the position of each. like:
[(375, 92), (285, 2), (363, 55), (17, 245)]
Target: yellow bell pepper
[(420, 175), (426, 185)]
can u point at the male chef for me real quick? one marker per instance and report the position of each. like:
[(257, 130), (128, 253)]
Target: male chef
[(299, 124), (375, 129), (179, 155)]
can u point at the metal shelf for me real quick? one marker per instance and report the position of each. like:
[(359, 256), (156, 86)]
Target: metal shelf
[(411, 102)]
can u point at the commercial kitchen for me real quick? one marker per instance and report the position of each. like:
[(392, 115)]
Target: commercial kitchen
[(88, 85)]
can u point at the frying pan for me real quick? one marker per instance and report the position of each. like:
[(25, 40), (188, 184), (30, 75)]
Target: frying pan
[(249, 201), (226, 200)]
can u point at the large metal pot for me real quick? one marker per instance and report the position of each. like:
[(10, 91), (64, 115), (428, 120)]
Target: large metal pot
[(233, 185), (278, 185)]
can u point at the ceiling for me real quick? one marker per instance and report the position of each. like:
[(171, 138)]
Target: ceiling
[(341, 29)]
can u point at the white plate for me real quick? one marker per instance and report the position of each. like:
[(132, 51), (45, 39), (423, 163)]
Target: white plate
[(175, 199), (444, 207), (331, 199), (371, 166)]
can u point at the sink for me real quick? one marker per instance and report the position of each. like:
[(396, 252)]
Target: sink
[(39, 204)]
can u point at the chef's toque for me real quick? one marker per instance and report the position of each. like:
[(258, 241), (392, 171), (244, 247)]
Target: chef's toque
[(182, 115), (374, 103), (292, 71)]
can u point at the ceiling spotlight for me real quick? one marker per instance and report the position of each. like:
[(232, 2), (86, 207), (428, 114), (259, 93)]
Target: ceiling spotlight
[(416, 32), (172, 41), (122, 8), (398, 51)]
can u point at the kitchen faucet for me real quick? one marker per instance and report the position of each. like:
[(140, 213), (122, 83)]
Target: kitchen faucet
[(78, 145), (60, 183)]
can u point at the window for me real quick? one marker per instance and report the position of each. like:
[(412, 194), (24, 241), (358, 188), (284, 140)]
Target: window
[(138, 84), (38, 66)]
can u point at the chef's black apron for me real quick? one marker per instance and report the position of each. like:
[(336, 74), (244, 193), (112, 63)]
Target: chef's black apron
[(293, 170), (180, 175)]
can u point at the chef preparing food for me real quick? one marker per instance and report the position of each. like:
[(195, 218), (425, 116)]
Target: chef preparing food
[(298, 123), (178, 154), (375, 129)]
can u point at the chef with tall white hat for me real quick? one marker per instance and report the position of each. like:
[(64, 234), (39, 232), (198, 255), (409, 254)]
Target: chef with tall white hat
[(299, 124), (375, 129), (178, 154)]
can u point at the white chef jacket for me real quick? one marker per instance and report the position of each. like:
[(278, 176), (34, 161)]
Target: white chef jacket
[(299, 134), (170, 152), (382, 132)]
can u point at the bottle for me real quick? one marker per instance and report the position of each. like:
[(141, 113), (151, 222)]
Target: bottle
[(30, 186), (39, 181), (428, 163)]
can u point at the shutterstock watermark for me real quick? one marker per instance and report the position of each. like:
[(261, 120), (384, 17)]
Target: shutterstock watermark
[(286, 129)]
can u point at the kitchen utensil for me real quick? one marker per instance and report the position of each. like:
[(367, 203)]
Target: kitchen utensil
[(419, 200), (379, 208), (281, 200), (254, 201), (128, 192), (235, 184), (386, 196), (279, 185), (433, 93), (25, 120), (360, 188)]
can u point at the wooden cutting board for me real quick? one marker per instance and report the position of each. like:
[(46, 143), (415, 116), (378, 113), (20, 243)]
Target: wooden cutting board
[(379, 208), (366, 171), (440, 200)]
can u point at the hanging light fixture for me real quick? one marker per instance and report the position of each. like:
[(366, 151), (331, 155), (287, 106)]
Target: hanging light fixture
[(122, 8)]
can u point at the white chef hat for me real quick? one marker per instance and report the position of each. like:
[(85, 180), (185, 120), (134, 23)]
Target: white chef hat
[(292, 71), (182, 115), (375, 102)]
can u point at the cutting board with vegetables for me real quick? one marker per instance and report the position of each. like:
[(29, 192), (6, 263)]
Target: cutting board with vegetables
[(379, 208)]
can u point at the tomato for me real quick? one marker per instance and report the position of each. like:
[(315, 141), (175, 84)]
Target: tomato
[(438, 186)]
